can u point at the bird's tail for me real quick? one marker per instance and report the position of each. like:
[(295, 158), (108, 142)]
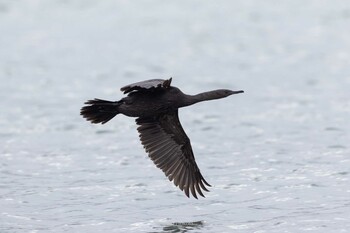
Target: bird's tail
[(99, 111)]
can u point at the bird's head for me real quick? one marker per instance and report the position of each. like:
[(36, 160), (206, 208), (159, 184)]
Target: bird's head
[(227, 92)]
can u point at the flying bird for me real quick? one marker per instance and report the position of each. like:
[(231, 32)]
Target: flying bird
[(155, 105)]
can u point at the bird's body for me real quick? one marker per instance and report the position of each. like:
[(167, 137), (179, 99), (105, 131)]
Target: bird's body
[(155, 104), (144, 104)]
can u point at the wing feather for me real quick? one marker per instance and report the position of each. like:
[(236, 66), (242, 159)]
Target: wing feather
[(170, 149), (150, 84)]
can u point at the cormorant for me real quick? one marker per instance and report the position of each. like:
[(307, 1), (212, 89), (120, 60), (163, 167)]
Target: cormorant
[(155, 104)]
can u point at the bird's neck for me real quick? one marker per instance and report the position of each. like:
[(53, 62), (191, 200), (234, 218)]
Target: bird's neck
[(209, 95)]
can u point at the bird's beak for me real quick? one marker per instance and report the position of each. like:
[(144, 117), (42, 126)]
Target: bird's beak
[(236, 92)]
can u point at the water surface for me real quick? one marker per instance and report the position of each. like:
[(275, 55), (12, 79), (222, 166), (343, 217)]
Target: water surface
[(277, 156)]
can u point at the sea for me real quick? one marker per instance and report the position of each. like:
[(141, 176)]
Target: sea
[(277, 156)]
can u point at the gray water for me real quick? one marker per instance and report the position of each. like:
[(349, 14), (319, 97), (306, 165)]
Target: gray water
[(277, 156)]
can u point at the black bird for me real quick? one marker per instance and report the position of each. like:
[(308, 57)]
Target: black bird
[(155, 104)]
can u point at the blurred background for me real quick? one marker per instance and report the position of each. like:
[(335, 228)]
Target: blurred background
[(277, 156)]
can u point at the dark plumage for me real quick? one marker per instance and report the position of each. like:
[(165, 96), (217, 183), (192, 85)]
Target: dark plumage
[(155, 104)]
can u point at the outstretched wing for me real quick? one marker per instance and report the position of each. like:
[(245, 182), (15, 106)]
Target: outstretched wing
[(169, 148), (147, 85)]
